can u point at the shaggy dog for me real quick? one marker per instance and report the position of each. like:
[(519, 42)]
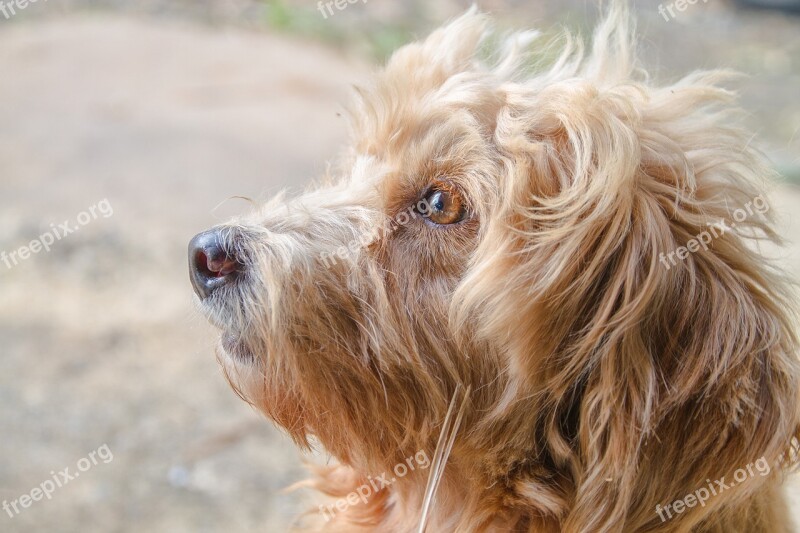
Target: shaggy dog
[(503, 280)]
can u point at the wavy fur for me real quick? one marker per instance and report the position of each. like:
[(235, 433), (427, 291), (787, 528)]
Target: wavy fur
[(602, 383)]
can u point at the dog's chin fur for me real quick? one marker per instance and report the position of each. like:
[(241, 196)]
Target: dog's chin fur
[(603, 384)]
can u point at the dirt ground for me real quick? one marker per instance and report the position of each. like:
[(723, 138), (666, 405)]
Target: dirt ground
[(170, 110)]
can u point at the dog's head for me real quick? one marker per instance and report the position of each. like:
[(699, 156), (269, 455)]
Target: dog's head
[(524, 232)]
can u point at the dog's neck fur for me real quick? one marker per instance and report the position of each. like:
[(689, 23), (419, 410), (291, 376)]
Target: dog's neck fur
[(465, 504)]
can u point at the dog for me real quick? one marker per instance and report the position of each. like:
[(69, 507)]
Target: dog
[(498, 280)]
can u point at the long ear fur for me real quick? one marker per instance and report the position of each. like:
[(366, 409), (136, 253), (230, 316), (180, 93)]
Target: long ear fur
[(647, 378)]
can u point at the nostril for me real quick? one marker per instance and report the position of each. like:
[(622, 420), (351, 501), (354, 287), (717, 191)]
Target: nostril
[(220, 265)]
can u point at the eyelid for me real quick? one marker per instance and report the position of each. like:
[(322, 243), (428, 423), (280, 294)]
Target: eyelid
[(439, 184)]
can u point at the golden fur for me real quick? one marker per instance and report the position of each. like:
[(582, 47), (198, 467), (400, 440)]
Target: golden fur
[(602, 384)]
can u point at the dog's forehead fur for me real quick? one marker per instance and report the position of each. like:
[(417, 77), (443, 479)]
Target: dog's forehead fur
[(432, 110), (587, 360)]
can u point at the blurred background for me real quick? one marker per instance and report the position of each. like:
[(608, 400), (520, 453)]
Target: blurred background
[(168, 111)]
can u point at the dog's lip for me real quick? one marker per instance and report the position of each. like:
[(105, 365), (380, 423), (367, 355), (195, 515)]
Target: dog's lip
[(234, 347)]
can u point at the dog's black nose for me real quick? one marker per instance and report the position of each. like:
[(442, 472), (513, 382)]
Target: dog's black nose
[(209, 266)]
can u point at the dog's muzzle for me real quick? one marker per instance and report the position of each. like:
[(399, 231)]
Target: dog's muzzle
[(210, 266)]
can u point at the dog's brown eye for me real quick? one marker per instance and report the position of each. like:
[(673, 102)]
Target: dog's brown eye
[(444, 206)]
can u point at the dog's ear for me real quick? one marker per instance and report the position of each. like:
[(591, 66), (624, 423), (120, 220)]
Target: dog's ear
[(653, 371)]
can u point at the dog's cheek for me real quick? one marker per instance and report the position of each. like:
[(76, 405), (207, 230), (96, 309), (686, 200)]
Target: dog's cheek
[(427, 252)]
